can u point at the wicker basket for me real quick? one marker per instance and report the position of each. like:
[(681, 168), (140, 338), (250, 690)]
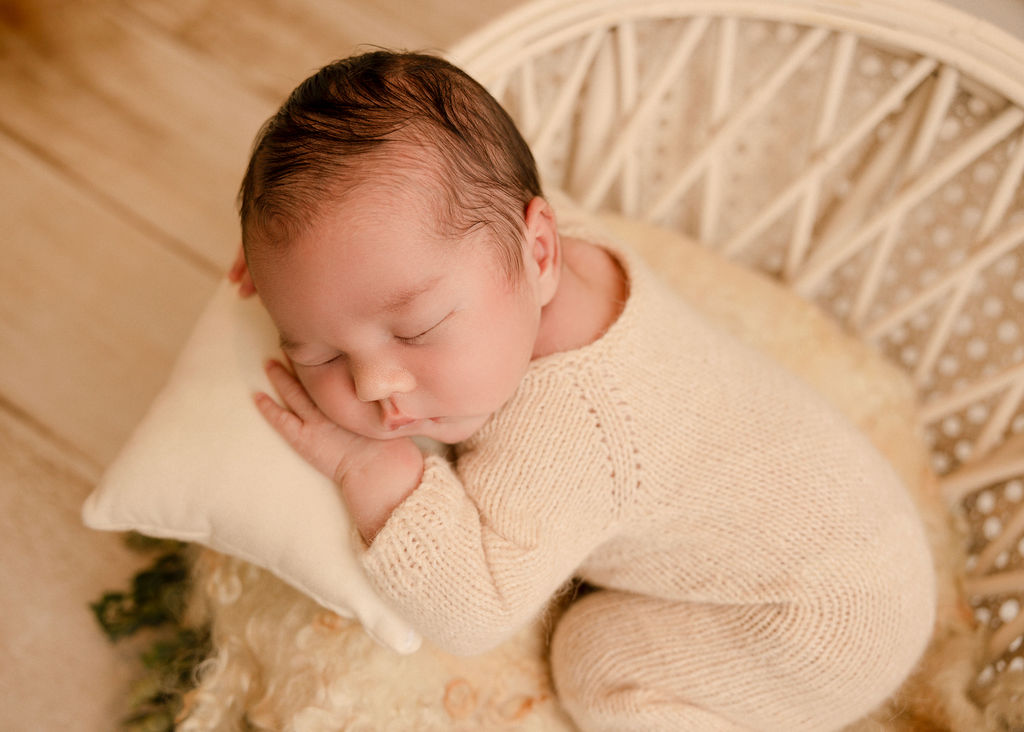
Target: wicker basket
[(868, 154)]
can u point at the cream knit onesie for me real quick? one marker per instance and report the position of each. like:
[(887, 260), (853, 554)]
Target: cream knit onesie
[(762, 566)]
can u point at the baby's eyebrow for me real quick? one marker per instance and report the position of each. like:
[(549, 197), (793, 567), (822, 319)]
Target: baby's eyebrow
[(403, 298), (286, 343)]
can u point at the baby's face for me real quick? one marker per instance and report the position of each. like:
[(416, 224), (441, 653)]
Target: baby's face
[(393, 331)]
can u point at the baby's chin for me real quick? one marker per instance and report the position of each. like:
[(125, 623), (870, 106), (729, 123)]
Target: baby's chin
[(447, 433)]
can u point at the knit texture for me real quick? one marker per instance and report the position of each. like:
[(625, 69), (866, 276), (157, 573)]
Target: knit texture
[(763, 565)]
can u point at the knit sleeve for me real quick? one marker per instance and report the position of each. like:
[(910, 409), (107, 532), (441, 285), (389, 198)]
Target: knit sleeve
[(478, 549)]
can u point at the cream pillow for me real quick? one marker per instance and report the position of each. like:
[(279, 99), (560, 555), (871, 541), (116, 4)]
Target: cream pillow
[(204, 467)]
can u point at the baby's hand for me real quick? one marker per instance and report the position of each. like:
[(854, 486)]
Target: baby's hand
[(239, 274), (374, 475), (322, 443)]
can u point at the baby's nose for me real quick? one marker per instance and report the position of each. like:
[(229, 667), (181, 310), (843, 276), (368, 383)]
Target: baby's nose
[(377, 382)]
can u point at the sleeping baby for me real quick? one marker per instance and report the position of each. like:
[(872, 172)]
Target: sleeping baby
[(756, 563)]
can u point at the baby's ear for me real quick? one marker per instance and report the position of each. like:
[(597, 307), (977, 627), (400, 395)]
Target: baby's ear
[(543, 248)]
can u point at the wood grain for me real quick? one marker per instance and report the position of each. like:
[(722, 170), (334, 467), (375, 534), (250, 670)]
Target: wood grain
[(59, 672), (93, 308)]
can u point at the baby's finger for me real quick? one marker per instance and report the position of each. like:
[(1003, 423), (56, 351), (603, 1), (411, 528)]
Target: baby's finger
[(291, 391), (239, 274), (246, 286), (237, 267), (285, 423)]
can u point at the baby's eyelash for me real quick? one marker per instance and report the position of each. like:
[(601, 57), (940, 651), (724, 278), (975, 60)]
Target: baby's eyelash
[(319, 363), (413, 340)]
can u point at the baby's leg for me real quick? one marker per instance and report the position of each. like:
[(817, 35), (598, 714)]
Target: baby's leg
[(627, 662)]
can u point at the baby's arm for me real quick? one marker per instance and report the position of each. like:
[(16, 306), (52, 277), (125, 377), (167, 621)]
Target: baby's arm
[(480, 547), (374, 475)]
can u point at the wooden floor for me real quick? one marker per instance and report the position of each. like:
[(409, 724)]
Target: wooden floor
[(124, 130)]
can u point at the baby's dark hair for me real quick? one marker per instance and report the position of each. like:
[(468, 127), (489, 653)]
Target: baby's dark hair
[(402, 109)]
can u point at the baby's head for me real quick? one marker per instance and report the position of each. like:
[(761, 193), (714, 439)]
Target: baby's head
[(394, 227), (384, 116)]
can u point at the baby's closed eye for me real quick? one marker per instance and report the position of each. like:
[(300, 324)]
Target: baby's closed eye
[(312, 363), (421, 336)]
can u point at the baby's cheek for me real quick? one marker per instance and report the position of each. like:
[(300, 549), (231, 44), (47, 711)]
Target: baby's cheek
[(334, 394), (446, 384), (491, 376)]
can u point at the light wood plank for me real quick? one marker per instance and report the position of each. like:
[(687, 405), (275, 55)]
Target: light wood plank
[(152, 128), (271, 45), (93, 310), (59, 672), (274, 44)]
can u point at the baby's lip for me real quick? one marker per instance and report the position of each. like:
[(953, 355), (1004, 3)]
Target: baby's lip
[(397, 421), (392, 419)]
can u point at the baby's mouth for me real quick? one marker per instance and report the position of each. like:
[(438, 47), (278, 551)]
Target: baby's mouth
[(395, 422)]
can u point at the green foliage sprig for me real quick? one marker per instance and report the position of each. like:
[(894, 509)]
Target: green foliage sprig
[(156, 600)]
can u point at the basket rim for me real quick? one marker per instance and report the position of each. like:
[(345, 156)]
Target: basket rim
[(933, 28)]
